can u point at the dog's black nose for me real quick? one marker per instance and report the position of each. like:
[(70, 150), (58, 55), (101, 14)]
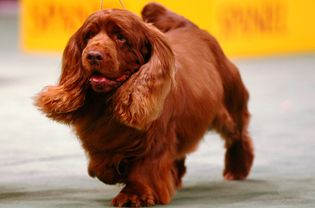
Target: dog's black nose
[(94, 57)]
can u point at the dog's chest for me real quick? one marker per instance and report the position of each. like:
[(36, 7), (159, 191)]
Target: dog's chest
[(105, 134)]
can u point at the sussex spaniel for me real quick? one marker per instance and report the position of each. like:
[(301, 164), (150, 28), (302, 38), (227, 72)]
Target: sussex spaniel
[(140, 95)]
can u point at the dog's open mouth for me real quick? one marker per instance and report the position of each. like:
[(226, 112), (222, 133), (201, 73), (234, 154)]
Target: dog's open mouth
[(102, 84)]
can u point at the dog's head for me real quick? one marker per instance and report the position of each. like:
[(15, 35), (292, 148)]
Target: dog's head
[(115, 52), (113, 45), (110, 46)]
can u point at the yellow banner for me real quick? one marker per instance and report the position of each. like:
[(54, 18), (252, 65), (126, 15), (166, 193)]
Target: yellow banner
[(243, 27)]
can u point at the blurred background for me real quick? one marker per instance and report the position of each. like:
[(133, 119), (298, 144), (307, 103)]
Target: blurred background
[(271, 41)]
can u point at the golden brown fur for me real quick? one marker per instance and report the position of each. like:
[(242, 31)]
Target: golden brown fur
[(140, 97)]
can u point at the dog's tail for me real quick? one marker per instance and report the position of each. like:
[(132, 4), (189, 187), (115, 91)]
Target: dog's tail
[(164, 19)]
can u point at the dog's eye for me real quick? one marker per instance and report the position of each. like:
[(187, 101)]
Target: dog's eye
[(120, 38), (89, 35)]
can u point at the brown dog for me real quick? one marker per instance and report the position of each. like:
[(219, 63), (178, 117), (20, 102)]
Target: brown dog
[(141, 96)]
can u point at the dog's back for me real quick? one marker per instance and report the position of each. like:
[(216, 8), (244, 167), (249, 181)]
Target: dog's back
[(209, 92), (187, 38)]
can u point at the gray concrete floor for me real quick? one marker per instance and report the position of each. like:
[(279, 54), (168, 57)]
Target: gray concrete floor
[(43, 165)]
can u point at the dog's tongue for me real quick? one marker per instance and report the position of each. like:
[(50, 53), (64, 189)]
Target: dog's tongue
[(100, 83), (98, 79)]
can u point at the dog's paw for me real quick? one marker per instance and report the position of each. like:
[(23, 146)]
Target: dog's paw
[(133, 200), (234, 176), (238, 160)]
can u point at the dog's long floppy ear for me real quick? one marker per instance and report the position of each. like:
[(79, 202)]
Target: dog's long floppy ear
[(140, 100), (60, 101)]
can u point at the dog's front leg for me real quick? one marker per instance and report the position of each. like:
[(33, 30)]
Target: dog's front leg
[(107, 168), (150, 181)]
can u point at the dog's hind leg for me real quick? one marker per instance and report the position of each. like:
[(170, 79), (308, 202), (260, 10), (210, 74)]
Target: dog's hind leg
[(179, 171), (239, 148)]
